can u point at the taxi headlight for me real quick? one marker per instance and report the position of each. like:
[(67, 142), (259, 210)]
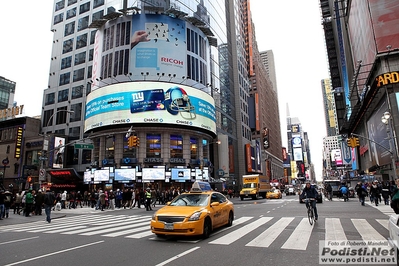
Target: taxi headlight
[(154, 216), (195, 216)]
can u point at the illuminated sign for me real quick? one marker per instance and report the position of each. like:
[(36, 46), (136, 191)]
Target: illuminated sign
[(150, 102), (18, 143), (11, 112), (295, 128), (387, 78)]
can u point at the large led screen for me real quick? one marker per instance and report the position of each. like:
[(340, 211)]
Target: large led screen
[(125, 174), (150, 174), (180, 174), (152, 103), (101, 175)]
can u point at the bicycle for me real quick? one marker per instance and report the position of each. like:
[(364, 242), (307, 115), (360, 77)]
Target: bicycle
[(310, 210)]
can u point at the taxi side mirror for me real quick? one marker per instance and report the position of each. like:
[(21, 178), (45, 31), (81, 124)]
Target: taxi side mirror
[(214, 204)]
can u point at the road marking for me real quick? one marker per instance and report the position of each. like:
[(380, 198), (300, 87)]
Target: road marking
[(383, 222), (299, 239), (54, 253), (117, 228), (18, 240), (141, 235), (334, 229), (177, 256), (268, 236), (366, 230), (236, 234)]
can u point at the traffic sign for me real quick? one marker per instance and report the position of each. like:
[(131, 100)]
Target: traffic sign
[(42, 174), (43, 158), (84, 146)]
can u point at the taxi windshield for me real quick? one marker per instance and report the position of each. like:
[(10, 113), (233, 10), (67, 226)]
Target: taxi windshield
[(190, 200)]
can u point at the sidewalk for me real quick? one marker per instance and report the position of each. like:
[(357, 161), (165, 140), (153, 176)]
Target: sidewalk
[(17, 219)]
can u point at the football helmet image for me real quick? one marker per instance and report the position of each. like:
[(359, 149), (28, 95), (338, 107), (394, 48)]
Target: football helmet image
[(177, 101)]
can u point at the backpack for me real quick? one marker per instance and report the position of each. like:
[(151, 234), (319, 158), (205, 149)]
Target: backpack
[(7, 199)]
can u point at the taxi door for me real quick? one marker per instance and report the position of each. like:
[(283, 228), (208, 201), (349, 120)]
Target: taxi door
[(217, 211)]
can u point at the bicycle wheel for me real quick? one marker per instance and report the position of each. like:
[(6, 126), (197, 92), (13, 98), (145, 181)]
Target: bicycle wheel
[(310, 215)]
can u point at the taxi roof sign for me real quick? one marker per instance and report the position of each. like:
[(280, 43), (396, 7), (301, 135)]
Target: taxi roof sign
[(200, 186)]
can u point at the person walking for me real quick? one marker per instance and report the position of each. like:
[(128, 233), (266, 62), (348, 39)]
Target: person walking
[(111, 197), (136, 199), (101, 199), (49, 201), (63, 199), (17, 202), (8, 201), (39, 199), (2, 198), (118, 198), (361, 191), (28, 203), (148, 199), (375, 191)]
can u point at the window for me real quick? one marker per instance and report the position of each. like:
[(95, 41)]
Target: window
[(98, 15), (74, 131), (77, 112), (65, 78), (59, 5), (69, 28), (81, 41), (83, 23), (71, 2), (68, 46), (77, 92), (58, 18), (63, 95), (194, 148), (71, 13), (109, 147), (78, 74), (93, 36), (91, 52), (84, 8), (97, 3), (176, 146), (66, 62), (89, 71), (47, 115), (153, 146), (49, 98), (80, 58), (86, 156), (61, 117)]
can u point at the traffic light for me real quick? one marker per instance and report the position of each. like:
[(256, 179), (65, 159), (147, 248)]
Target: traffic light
[(357, 142), (349, 142), (137, 141), (132, 141), (29, 179)]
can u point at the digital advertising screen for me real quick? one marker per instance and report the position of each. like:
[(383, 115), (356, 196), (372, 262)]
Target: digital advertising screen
[(151, 103), (101, 175), (150, 174), (181, 174), (87, 176), (125, 174)]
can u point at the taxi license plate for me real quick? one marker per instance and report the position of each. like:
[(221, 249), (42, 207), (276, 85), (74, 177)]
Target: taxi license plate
[(246, 194), (168, 226)]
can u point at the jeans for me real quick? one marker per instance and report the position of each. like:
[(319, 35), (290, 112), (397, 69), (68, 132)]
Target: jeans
[(47, 210), (2, 209)]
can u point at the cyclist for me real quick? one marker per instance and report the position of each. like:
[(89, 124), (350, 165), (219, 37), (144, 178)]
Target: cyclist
[(344, 192), (310, 192)]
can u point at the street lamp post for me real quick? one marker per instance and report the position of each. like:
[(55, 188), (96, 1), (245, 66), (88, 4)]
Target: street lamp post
[(386, 119), (42, 172)]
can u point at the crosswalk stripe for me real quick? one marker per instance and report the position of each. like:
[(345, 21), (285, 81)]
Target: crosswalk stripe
[(118, 228), (366, 230), (141, 235), (383, 223), (334, 230), (269, 235), (233, 236), (299, 239)]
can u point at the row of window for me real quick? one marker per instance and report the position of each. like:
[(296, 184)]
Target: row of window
[(82, 8)]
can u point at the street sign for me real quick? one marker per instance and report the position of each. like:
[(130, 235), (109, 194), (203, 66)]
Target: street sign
[(84, 146), (43, 158), (346, 152), (42, 174)]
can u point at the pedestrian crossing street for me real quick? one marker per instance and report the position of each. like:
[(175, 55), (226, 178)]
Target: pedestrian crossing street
[(263, 230)]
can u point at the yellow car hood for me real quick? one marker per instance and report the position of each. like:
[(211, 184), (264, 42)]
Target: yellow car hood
[(179, 210)]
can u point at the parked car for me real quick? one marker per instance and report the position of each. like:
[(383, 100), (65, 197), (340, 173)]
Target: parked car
[(289, 190)]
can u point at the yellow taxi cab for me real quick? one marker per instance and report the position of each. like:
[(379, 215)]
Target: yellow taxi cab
[(197, 212), (274, 194)]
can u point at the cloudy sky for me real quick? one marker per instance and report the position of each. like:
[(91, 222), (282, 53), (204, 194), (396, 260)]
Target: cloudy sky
[(290, 28)]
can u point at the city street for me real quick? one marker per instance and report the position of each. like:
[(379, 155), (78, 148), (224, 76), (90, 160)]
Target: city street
[(264, 232)]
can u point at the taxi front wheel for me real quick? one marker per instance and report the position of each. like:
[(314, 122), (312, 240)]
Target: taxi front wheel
[(231, 218), (207, 228)]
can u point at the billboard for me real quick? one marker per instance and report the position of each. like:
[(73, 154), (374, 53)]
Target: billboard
[(296, 141), (125, 174), (298, 156), (150, 103), (180, 174), (101, 175), (59, 148), (151, 174), (336, 157)]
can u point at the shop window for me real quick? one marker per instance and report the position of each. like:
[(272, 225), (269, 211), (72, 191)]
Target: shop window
[(176, 146), (153, 146)]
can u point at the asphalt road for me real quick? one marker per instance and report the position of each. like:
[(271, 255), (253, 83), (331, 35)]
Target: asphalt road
[(265, 232)]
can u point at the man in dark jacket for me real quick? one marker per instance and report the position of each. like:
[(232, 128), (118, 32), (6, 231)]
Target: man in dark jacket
[(309, 192), (49, 201)]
